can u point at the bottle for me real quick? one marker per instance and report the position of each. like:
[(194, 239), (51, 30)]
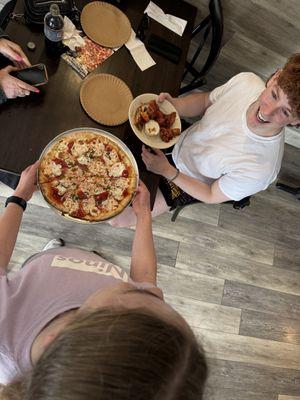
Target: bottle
[(53, 30)]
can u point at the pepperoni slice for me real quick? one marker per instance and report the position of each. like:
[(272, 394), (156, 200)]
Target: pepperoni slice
[(81, 194), (70, 145), (84, 167), (56, 195), (102, 196), (79, 213), (125, 173), (125, 193)]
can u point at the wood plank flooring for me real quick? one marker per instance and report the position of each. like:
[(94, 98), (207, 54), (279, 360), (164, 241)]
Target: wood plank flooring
[(234, 275)]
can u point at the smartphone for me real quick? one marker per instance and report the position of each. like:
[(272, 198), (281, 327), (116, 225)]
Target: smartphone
[(35, 75)]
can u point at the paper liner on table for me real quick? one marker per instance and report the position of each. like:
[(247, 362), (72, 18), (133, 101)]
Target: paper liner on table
[(106, 99), (105, 24)]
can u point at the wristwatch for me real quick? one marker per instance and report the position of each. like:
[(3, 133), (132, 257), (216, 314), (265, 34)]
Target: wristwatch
[(17, 200)]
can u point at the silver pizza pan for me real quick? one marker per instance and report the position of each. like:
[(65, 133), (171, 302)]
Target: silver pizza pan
[(101, 133)]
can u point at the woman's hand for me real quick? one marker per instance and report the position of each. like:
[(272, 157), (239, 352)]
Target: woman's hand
[(27, 182), (141, 201), (13, 87), (157, 163), (14, 53)]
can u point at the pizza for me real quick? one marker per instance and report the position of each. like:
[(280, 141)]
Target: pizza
[(92, 54), (87, 176)]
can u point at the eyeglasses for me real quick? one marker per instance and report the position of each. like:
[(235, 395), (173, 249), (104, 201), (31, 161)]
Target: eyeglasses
[(143, 25)]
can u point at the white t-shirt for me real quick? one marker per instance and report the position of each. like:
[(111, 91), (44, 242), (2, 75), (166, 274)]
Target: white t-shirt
[(221, 147), (49, 284)]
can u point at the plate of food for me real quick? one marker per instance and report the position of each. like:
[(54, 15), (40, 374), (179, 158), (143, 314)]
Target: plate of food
[(156, 124), (87, 175)]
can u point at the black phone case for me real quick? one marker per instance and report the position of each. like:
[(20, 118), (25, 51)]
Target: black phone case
[(34, 76), (164, 48)]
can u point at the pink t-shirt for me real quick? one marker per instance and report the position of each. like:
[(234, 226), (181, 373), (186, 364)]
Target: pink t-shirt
[(49, 284)]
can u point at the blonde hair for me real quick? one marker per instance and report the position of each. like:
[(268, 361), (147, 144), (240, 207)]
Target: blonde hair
[(117, 354)]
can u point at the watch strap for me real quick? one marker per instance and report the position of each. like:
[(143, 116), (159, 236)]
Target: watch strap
[(17, 200)]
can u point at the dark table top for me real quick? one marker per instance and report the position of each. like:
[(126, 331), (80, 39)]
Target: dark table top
[(29, 124)]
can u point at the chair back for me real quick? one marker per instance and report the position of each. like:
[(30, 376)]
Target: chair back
[(216, 16), (213, 25)]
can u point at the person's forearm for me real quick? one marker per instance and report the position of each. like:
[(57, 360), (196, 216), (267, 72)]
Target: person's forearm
[(10, 222), (143, 260), (199, 190), (192, 105)]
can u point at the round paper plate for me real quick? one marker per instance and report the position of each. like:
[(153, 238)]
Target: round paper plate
[(166, 107), (105, 24), (106, 99)]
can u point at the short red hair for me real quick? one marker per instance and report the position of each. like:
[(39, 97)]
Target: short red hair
[(289, 82)]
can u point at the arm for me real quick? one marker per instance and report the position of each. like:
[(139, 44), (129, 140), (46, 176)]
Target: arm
[(143, 258), (159, 164), (13, 52), (13, 87), (11, 218), (192, 105)]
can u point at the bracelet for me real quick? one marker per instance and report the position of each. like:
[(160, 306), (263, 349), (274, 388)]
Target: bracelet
[(175, 176), (16, 200)]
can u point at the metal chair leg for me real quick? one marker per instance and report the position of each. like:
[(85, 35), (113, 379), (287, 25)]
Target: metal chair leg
[(176, 212), (295, 191)]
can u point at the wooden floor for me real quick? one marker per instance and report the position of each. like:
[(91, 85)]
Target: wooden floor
[(234, 275)]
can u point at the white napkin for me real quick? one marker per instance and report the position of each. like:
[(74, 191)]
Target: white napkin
[(71, 36), (139, 53), (173, 23)]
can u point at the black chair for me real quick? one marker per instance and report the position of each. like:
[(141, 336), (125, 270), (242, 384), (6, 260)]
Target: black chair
[(238, 205), (293, 190), (213, 24)]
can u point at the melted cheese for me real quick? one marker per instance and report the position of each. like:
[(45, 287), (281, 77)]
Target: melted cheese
[(110, 204), (111, 157), (52, 169), (83, 159), (97, 168), (98, 148), (89, 205), (122, 183), (70, 205), (117, 193), (61, 189), (79, 148), (117, 169)]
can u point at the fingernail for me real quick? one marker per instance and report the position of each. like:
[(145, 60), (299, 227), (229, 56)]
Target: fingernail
[(37, 91)]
